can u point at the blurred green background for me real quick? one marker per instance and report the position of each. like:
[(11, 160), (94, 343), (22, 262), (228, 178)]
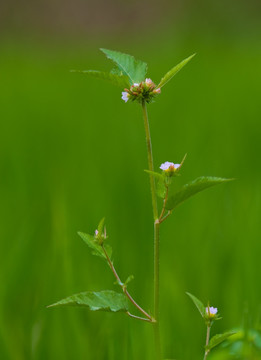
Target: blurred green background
[(71, 152)]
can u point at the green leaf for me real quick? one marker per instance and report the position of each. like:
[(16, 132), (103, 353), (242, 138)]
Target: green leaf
[(129, 279), (167, 77), (219, 338), (199, 305), (115, 79), (106, 300), (92, 243), (100, 226), (160, 183), (135, 69), (193, 188)]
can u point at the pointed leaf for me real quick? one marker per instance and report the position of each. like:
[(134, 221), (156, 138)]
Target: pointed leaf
[(100, 226), (121, 81), (135, 69), (167, 77), (219, 338), (160, 183), (106, 300), (199, 305), (91, 242), (193, 188), (129, 279)]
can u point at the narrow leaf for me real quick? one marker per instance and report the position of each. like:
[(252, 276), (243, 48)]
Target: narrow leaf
[(106, 300), (199, 305), (167, 77), (160, 183), (129, 279), (90, 241), (121, 81), (193, 188), (217, 339), (135, 69), (100, 226)]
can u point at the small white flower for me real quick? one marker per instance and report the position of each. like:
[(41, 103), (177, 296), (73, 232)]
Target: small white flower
[(148, 82), (169, 166), (96, 232), (136, 85), (125, 96), (157, 91), (211, 311)]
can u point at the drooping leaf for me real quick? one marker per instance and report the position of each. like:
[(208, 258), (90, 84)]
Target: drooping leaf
[(167, 77), (160, 183), (135, 69), (199, 305), (193, 188), (93, 244), (106, 300), (219, 338), (121, 81)]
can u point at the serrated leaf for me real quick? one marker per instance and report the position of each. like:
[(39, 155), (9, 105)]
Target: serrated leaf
[(219, 338), (135, 69), (160, 183), (106, 300), (193, 188), (199, 305), (121, 81), (90, 241), (167, 77)]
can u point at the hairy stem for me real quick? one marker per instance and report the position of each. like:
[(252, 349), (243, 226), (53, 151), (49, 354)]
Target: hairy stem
[(207, 341), (156, 235), (124, 289)]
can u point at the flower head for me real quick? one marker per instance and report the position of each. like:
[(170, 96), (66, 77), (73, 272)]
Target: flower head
[(211, 311), (96, 232), (143, 91), (125, 96), (169, 166)]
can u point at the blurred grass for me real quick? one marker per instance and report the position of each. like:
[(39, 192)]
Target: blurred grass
[(73, 152)]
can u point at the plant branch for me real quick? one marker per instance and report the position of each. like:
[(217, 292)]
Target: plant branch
[(166, 216), (156, 236), (150, 161), (207, 341), (164, 204), (137, 317), (124, 288)]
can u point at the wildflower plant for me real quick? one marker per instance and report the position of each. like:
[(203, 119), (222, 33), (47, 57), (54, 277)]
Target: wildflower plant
[(130, 75), (210, 315)]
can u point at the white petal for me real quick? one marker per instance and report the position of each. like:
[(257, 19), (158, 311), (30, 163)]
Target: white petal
[(125, 96), (166, 165)]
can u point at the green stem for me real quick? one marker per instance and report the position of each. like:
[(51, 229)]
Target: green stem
[(156, 236), (150, 161), (207, 341), (124, 289)]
